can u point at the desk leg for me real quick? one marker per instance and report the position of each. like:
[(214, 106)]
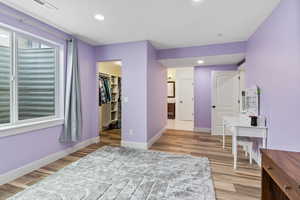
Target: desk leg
[(234, 147), (264, 142), (224, 135), (232, 143)]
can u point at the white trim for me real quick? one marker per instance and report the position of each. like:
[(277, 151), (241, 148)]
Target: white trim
[(242, 67), (136, 145), (143, 145), (16, 173), (203, 130), (156, 137), (33, 126)]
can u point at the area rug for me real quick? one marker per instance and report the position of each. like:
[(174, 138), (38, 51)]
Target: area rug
[(117, 173)]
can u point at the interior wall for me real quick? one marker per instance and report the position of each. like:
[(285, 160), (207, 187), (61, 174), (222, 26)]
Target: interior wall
[(156, 94), (203, 91), (273, 63), (34, 145)]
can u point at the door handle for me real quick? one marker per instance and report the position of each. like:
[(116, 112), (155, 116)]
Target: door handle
[(213, 106)]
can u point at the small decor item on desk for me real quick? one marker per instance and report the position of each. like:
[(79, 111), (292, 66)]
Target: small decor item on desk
[(261, 121), (253, 120)]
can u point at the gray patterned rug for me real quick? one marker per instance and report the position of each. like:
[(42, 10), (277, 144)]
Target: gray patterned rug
[(113, 173)]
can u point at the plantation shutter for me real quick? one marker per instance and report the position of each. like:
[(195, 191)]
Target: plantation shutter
[(36, 82), (5, 58)]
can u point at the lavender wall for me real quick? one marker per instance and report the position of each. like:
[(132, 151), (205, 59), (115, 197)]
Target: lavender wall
[(273, 63), (202, 92), (134, 85), (19, 150), (156, 94), (201, 51)]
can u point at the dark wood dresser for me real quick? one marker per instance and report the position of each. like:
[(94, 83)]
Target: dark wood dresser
[(280, 175)]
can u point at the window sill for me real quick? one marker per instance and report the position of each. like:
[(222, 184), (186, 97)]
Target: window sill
[(24, 128)]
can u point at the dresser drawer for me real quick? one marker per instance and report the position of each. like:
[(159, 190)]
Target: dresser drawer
[(290, 188)]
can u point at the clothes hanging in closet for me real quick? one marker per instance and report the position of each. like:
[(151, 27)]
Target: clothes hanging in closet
[(104, 90), (119, 104)]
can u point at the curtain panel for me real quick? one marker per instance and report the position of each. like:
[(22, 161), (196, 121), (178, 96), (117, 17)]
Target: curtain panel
[(73, 116)]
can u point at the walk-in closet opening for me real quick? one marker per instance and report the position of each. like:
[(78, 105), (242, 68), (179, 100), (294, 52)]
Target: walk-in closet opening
[(110, 111)]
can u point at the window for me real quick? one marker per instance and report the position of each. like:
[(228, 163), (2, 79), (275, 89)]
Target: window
[(29, 80)]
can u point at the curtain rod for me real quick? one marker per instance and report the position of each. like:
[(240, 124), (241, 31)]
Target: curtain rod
[(30, 22)]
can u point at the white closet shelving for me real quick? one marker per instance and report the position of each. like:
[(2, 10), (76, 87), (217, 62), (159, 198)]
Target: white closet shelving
[(114, 104)]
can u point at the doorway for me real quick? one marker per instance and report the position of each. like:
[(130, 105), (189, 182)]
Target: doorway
[(110, 101), (181, 98)]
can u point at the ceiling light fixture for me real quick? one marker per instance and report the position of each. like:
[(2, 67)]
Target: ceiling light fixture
[(118, 63), (99, 17), (200, 62), (198, 1)]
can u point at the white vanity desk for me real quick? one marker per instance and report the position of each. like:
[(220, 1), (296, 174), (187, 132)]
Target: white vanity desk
[(239, 126)]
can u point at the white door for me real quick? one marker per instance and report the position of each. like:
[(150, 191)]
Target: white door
[(186, 99), (225, 96)]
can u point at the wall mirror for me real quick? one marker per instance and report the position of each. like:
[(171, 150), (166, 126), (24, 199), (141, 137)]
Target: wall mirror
[(171, 89)]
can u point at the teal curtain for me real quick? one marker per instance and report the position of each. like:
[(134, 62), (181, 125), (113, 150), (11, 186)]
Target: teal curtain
[(73, 116)]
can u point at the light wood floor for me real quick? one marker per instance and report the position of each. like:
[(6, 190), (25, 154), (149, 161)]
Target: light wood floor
[(242, 184)]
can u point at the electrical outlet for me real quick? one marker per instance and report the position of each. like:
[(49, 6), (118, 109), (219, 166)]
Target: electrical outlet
[(130, 132)]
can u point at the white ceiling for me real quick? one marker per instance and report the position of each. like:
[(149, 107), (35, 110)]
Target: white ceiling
[(209, 60), (167, 23)]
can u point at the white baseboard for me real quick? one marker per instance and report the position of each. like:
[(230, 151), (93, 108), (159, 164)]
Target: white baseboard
[(203, 130), (144, 145), (16, 173), (135, 145), (156, 137)]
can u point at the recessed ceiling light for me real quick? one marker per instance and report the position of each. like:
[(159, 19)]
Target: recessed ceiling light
[(198, 1), (99, 17), (200, 62), (118, 63)]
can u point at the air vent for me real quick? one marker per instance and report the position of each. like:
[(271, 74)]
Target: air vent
[(46, 4)]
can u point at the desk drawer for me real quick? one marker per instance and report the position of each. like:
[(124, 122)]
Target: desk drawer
[(285, 183)]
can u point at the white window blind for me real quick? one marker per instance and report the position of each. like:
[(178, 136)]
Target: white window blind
[(36, 80), (5, 76)]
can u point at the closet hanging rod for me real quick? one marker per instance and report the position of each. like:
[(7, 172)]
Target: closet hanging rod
[(35, 24)]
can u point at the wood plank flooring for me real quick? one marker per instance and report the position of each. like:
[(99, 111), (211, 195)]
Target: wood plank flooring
[(242, 184)]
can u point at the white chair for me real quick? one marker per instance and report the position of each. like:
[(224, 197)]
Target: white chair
[(247, 145)]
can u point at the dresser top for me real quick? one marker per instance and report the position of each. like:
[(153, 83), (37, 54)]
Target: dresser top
[(289, 162)]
